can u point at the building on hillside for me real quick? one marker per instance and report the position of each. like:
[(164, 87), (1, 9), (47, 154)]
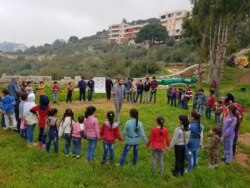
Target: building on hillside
[(36, 79), (119, 33), (173, 22)]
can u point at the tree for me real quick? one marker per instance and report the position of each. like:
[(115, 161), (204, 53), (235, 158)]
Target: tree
[(221, 17), (152, 33), (73, 39)]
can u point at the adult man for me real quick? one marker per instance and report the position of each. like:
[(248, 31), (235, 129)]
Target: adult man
[(118, 91), (90, 85), (82, 89), (146, 88), (108, 85), (14, 89), (153, 85)]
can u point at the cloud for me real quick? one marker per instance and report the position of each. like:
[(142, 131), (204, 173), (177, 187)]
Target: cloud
[(35, 22)]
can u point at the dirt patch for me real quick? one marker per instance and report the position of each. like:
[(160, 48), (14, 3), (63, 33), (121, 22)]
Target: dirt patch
[(245, 139), (244, 76), (241, 157)]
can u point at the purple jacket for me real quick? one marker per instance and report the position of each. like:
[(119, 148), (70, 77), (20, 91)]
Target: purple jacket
[(229, 126)]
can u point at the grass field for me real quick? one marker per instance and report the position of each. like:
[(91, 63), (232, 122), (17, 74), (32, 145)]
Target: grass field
[(21, 166)]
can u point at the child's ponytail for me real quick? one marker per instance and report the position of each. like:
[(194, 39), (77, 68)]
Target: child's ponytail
[(134, 114), (160, 121), (110, 116)]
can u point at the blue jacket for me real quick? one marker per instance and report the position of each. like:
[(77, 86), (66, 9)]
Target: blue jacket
[(13, 89), (82, 84), (196, 136), (128, 85), (8, 104), (129, 134), (139, 88)]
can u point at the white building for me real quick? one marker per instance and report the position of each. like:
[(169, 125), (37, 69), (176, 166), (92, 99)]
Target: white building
[(173, 22)]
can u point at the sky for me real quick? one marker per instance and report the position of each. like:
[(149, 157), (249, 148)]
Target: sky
[(36, 22)]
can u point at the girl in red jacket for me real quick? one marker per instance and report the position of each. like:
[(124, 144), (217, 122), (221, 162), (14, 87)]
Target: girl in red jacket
[(158, 140), (109, 133)]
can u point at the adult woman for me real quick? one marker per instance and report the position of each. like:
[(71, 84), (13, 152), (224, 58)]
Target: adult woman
[(196, 139), (180, 138), (228, 133)]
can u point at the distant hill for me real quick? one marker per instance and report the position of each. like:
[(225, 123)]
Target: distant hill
[(12, 47)]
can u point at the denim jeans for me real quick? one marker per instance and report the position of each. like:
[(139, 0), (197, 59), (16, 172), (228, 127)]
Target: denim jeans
[(82, 94), (55, 97), (118, 106), (208, 112), (108, 147), (30, 133), (193, 160), (129, 96), (90, 93), (67, 141), (139, 95), (173, 101), (90, 155), (217, 118), (23, 133), (145, 96), (77, 142), (157, 155), (153, 93), (53, 138), (125, 151), (200, 108)]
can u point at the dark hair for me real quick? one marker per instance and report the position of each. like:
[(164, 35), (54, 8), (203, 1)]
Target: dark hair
[(82, 77), (233, 109), (111, 116), (197, 117), (6, 92), (81, 119), (41, 82), (90, 111), (184, 121), (68, 113), (160, 120), (216, 130), (29, 82), (147, 78), (154, 77), (23, 96), (212, 91), (55, 82), (135, 114), (52, 112)]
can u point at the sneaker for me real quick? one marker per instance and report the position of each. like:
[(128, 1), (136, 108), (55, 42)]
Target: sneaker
[(6, 129), (211, 166), (78, 156), (118, 164), (73, 155), (67, 155), (103, 162)]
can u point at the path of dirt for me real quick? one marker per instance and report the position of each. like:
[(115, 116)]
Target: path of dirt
[(244, 76), (241, 157)]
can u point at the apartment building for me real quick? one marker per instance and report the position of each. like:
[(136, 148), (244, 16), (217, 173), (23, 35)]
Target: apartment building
[(173, 22), (119, 33)]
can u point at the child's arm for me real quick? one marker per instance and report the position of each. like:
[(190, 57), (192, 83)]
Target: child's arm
[(167, 139), (117, 134), (142, 133), (174, 139)]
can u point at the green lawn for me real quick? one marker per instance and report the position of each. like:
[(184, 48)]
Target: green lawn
[(21, 166)]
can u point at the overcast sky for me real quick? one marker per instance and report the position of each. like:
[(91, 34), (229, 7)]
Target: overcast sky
[(36, 22)]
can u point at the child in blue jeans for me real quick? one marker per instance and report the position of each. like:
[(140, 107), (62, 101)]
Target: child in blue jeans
[(51, 130), (76, 136)]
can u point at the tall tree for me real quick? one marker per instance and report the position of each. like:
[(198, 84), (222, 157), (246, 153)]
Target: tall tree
[(212, 26)]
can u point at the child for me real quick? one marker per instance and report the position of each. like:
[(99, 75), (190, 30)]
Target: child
[(173, 96), (23, 127), (8, 108), (132, 133), (30, 118), (169, 93), (214, 147), (180, 139), (76, 135), (51, 130), (210, 104), (218, 111), (69, 93), (139, 90), (28, 88), (91, 129), (42, 111), (179, 97), (40, 89), (159, 137), (66, 128), (201, 99), (1, 112), (109, 133), (55, 91)]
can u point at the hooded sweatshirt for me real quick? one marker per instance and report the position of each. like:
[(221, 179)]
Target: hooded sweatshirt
[(30, 117), (42, 110), (110, 133)]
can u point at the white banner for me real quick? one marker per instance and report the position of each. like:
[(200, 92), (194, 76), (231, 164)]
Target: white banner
[(100, 84)]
